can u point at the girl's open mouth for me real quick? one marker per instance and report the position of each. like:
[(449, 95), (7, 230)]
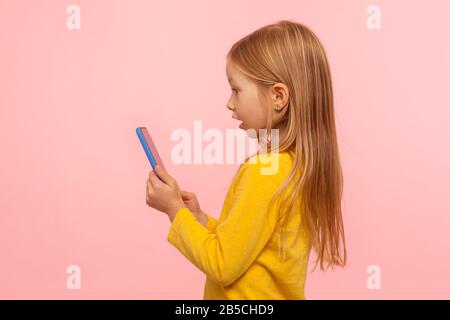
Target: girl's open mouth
[(234, 116)]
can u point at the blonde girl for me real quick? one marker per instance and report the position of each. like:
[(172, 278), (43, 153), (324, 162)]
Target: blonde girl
[(259, 247)]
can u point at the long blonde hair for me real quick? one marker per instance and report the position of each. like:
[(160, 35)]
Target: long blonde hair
[(290, 53)]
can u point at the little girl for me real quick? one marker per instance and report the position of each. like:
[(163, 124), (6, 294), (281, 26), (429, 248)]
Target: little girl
[(259, 248)]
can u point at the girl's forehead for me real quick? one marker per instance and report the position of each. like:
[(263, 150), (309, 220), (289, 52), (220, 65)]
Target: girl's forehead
[(233, 74), (229, 70)]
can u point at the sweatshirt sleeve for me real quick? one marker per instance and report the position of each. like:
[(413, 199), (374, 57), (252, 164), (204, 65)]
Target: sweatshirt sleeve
[(211, 224), (225, 254)]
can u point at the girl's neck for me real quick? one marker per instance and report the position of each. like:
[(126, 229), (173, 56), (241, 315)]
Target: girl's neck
[(281, 134)]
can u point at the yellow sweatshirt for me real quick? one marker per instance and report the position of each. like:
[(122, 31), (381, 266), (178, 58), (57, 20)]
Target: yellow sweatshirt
[(239, 253)]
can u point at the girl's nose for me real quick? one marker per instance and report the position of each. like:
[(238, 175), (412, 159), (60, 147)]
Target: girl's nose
[(230, 107)]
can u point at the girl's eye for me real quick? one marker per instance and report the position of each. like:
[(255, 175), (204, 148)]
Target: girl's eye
[(234, 90)]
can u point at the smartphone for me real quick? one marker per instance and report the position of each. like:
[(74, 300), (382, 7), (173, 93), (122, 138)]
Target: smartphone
[(149, 147)]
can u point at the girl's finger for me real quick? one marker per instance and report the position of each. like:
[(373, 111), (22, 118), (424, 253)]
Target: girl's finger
[(165, 176), (147, 191), (149, 187), (186, 194), (183, 194), (154, 180)]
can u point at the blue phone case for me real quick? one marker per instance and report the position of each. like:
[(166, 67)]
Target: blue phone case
[(146, 147)]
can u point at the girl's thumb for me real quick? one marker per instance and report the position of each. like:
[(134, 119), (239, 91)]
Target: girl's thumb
[(161, 172)]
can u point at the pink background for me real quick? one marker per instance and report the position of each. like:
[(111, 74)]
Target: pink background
[(72, 174)]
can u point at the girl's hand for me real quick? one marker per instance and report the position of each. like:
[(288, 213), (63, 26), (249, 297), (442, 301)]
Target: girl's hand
[(163, 195), (191, 202)]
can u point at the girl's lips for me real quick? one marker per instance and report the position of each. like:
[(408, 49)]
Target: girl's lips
[(237, 118)]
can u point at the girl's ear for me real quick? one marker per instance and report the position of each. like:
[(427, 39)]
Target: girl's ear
[(280, 96)]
